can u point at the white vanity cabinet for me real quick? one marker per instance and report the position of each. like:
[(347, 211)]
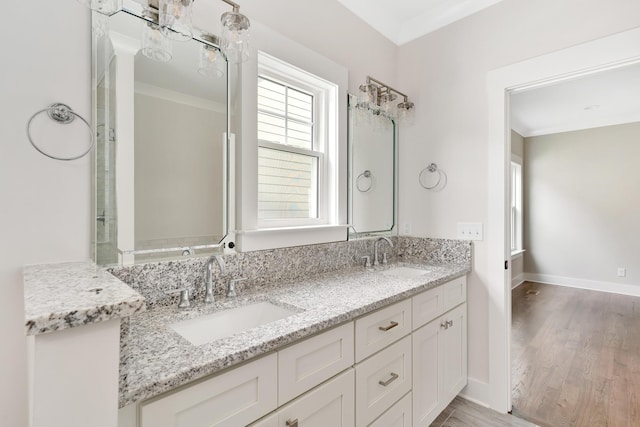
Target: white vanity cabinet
[(398, 366), (439, 352)]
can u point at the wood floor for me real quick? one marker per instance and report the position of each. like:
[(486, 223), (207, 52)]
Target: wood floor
[(575, 357), (462, 413)]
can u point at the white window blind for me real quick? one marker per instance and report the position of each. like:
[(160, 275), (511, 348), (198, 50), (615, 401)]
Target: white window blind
[(288, 160)]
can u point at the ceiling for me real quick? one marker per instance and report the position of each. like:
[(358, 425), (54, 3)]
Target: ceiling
[(404, 20), (601, 99)]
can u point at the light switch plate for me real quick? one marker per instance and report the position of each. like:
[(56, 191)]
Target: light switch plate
[(470, 231)]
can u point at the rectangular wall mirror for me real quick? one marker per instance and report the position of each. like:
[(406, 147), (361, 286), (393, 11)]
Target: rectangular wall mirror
[(372, 172), (162, 153)]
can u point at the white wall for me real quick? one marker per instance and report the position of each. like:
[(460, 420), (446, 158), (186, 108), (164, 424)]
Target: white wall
[(582, 206), (45, 215), (445, 73), (45, 203)]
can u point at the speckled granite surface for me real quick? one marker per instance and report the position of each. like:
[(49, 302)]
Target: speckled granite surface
[(155, 359), (61, 296)]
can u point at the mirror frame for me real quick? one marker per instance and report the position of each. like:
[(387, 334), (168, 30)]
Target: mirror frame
[(228, 153)]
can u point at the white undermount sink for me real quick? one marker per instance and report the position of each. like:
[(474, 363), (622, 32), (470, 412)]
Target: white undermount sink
[(224, 323), (405, 272)]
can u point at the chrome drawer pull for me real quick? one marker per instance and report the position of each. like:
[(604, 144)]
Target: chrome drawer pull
[(394, 377), (444, 325), (450, 323), (293, 423), (386, 328)]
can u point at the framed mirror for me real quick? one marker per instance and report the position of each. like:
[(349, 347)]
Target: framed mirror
[(372, 172), (162, 152)]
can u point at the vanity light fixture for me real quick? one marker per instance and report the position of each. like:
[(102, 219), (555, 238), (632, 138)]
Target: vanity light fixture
[(234, 39), (175, 19), (106, 7), (212, 64), (378, 98), (155, 44)]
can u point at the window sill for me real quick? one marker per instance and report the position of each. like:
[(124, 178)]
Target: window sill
[(519, 253), (284, 237)]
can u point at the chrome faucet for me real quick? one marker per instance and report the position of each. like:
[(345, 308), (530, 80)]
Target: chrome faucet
[(208, 296), (375, 250)]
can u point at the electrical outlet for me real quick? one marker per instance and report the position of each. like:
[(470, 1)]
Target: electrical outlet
[(470, 231), (622, 272)]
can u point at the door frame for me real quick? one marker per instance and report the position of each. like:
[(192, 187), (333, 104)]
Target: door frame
[(606, 53)]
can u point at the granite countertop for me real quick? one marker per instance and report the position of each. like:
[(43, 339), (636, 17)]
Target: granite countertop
[(66, 295), (155, 359)]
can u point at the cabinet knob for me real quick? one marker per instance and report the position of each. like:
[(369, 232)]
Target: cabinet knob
[(394, 377), (386, 328), (444, 325), (292, 423), (449, 323)]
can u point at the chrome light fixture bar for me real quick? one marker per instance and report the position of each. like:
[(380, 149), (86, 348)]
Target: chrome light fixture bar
[(378, 97)]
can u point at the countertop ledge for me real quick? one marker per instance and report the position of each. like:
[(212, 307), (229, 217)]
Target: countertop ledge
[(66, 295), (154, 359)]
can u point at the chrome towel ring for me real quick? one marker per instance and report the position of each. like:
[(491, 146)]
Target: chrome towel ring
[(432, 168), (361, 182), (62, 114)]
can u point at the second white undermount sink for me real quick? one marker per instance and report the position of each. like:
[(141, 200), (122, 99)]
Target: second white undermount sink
[(405, 272), (224, 323)]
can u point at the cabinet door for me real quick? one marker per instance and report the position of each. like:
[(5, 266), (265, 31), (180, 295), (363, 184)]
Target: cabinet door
[(329, 405), (455, 292), (454, 347), (427, 353), (382, 380), (312, 361), (398, 416), (236, 397)]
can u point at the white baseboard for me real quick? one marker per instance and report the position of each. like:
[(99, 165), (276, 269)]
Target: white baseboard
[(476, 392), (593, 285), (517, 281)]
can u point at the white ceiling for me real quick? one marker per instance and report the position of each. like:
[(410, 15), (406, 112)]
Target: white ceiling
[(602, 99), (404, 20)]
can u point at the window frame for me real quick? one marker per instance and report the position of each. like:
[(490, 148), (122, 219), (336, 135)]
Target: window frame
[(292, 77), (516, 204)]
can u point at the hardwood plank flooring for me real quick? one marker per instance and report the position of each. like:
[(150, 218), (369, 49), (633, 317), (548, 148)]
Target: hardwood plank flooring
[(462, 413), (575, 357)]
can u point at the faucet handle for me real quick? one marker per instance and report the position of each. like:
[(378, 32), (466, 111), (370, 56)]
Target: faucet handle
[(184, 297), (367, 260), (231, 287)]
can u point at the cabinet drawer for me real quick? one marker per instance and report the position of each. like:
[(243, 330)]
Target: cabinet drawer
[(381, 380), (398, 416), (455, 292), (330, 405), (268, 421), (234, 398), (381, 328), (305, 365), (427, 306)]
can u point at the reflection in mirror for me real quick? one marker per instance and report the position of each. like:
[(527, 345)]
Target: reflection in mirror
[(161, 158), (371, 171)]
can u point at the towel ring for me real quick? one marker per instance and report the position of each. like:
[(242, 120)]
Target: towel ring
[(62, 114), (432, 168), (364, 175)]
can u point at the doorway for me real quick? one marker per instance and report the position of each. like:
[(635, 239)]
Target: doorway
[(607, 53)]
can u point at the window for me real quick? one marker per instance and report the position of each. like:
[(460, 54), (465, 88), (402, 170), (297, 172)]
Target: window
[(516, 205), (293, 151)]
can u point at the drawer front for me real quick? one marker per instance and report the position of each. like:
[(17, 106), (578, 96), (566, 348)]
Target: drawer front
[(377, 330), (237, 397), (427, 306), (382, 380), (305, 365), (330, 405), (398, 416), (455, 292)]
